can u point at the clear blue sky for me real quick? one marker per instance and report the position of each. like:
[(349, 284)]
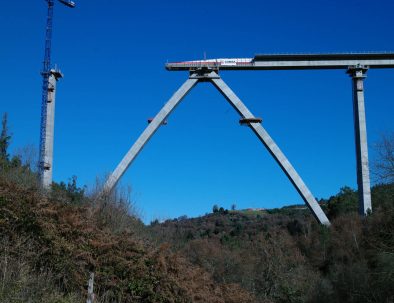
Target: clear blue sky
[(112, 54)]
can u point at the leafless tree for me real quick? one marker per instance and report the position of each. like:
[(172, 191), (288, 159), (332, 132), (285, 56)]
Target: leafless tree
[(383, 166), (28, 154), (117, 209)]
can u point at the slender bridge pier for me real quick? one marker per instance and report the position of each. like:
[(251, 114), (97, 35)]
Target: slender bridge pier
[(356, 65)]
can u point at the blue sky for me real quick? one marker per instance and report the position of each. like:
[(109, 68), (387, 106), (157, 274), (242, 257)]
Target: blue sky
[(112, 54)]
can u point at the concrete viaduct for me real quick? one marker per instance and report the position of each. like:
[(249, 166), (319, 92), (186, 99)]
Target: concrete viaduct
[(355, 64)]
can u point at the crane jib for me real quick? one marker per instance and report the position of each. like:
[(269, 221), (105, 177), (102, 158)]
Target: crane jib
[(68, 3)]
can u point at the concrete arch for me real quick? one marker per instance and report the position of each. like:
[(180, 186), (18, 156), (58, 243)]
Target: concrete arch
[(239, 106)]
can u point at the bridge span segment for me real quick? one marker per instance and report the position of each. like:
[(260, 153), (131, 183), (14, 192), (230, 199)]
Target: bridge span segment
[(290, 61)]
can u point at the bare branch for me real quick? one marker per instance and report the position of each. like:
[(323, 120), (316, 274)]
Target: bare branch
[(383, 166)]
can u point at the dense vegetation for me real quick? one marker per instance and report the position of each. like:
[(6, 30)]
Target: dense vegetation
[(50, 242), (50, 245), (283, 255)]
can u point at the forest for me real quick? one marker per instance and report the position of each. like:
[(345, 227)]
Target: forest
[(52, 241)]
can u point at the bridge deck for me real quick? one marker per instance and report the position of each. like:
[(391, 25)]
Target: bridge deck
[(291, 61)]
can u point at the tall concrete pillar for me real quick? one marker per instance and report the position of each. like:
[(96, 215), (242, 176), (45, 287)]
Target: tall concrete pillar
[(274, 150), (46, 165), (148, 133), (360, 129)]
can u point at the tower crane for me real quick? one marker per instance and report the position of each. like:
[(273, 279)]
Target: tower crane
[(50, 76)]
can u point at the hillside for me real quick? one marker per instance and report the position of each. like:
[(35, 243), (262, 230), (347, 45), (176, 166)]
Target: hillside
[(49, 246), (51, 242), (283, 255)]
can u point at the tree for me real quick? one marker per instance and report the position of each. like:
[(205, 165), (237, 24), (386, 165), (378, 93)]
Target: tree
[(233, 207), (70, 192), (383, 167), (345, 201), (215, 208), (4, 138)]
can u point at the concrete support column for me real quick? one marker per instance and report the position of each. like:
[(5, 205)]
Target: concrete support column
[(360, 129), (274, 150), (46, 165), (148, 133)]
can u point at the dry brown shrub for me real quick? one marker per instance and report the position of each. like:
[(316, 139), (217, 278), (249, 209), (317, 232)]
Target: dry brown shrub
[(69, 241)]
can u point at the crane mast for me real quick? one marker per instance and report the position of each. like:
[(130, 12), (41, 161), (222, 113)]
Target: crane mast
[(50, 77), (45, 77), (48, 37)]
